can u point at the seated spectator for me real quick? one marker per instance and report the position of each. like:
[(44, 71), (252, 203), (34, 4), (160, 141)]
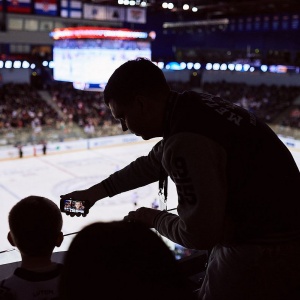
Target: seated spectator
[(120, 260), (35, 225)]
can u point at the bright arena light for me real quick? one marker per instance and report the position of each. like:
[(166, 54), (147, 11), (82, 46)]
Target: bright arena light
[(223, 67), (197, 66), (231, 67), (170, 5), (8, 64), (17, 64), (246, 67), (182, 65), (238, 67), (25, 64), (160, 64), (190, 65), (216, 66), (208, 66), (264, 68)]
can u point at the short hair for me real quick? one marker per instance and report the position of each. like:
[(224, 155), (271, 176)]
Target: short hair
[(139, 76), (35, 223), (144, 266)]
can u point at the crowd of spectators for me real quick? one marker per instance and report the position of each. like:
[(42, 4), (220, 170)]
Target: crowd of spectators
[(22, 107), (272, 103), (23, 111), (84, 108), (292, 119), (266, 102)]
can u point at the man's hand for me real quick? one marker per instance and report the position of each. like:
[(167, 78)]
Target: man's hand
[(82, 195), (92, 195), (143, 215)]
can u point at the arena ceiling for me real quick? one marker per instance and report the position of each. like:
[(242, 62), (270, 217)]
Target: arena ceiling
[(224, 8)]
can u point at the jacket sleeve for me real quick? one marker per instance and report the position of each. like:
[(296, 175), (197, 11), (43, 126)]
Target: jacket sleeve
[(144, 170), (197, 165)]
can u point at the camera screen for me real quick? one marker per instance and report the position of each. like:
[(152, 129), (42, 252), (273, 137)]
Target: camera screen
[(74, 206)]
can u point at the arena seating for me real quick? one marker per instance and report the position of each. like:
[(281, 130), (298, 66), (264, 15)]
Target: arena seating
[(60, 112)]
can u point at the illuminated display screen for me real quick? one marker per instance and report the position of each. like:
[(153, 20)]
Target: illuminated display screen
[(93, 59)]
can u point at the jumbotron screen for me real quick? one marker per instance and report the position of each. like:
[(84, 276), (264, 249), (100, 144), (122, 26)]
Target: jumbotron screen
[(89, 55)]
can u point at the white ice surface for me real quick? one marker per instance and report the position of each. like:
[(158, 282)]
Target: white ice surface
[(53, 175)]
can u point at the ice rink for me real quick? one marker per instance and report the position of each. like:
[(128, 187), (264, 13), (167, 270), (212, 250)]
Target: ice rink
[(55, 174)]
